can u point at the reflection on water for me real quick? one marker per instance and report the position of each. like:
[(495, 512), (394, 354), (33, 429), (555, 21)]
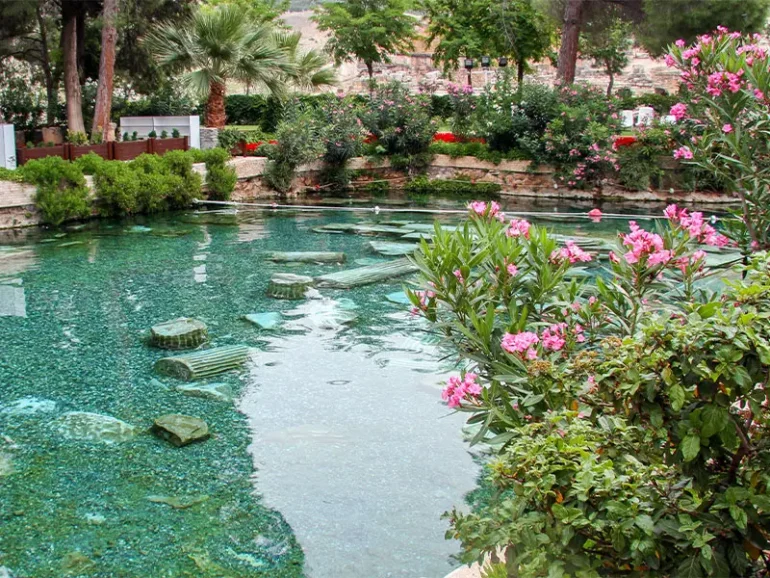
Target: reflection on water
[(352, 446)]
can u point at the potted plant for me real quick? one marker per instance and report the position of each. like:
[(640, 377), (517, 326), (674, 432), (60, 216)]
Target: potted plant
[(80, 145), (165, 143)]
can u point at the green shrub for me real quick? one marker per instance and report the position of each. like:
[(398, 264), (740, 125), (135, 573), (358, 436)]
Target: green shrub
[(343, 137), (77, 137), (152, 134), (153, 191), (175, 133), (61, 189), (11, 175), (186, 186), (163, 134), (117, 188), (458, 187), (220, 177), (377, 188), (298, 142), (148, 163), (401, 123), (90, 163)]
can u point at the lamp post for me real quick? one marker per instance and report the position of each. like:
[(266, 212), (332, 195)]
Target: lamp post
[(469, 68), (486, 62)]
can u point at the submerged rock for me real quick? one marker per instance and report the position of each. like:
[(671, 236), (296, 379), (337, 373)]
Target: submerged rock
[(6, 466), (398, 297), (93, 427), (305, 257), (181, 333), (214, 391), (288, 286), (203, 363), (177, 503), (264, 320), (180, 430), (28, 406)]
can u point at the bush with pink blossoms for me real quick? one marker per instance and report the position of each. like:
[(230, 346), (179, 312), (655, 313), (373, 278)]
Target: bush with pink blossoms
[(627, 415), (727, 77)]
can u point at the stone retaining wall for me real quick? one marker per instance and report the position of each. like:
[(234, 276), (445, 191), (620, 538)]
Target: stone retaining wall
[(517, 178)]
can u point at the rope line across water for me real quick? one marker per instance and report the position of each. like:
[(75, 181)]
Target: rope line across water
[(377, 210)]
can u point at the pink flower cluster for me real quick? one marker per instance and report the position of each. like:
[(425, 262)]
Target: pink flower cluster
[(695, 225), (595, 215), (522, 342), (643, 244), (491, 209), (518, 228), (553, 337), (679, 111), (571, 252), (683, 153), (458, 390)]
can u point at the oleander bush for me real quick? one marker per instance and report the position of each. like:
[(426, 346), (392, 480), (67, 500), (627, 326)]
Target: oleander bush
[(627, 415)]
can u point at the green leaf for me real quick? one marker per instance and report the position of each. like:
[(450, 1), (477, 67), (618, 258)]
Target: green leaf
[(645, 522), (690, 568), (713, 419), (739, 515), (708, 309), (676, 395), (690, 447), (736, 555)]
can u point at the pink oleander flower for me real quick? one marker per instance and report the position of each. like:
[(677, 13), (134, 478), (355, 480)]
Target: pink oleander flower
[(578, 331), (519, 342), (595, 215), (727, 129), (683, 153), (553, 337), (571, 252), (518, 228), (459, 390), (679, 111), (680, 43), (659, 258), (613, 257), (591, 382), (512, 269), (491, 209), (592, 299), (641, 244), (457, 273)]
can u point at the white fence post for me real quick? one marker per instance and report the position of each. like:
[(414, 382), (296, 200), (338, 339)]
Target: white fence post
[(189, 126), (7, 146)]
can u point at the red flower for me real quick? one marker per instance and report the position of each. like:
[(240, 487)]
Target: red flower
[(370, 138), (623, 141)]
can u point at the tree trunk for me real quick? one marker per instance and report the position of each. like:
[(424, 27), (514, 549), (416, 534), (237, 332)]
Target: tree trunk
[(72, 91), (106, 70), (370, 70), (45, 62), (612, 82), (215, 106), (570, 36), (520, 70)]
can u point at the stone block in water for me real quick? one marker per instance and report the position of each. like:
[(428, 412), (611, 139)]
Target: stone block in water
[(203, 363), (305, 257), (93, 427), (391, 249), (182, 333), (266, 320), (213, 391), (288, 286), (366, 275), (180, 430)]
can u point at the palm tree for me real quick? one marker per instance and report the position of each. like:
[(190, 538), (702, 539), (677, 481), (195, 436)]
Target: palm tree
[(221, 44)]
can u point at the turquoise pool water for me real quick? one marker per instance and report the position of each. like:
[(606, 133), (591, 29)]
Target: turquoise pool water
[(355, 457)]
